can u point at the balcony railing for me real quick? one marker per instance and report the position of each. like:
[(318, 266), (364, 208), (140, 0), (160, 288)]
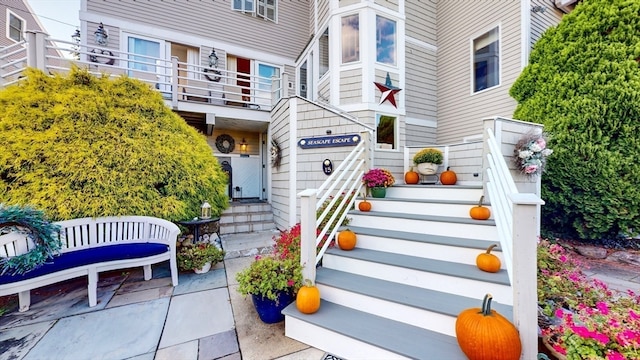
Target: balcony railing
[(177, 81)]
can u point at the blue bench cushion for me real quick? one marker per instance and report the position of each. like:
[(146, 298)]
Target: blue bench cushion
[(89, 256)]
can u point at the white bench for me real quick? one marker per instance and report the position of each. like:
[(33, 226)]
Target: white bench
[(91, 246)]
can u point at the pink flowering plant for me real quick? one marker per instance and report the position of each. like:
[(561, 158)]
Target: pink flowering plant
[(378, 177), (590, 321), (530, 154)]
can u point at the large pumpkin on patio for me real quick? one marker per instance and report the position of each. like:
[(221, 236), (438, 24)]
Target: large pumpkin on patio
[(308, 299), (487, 261), (346, 239), (448, 177), (411, 177), (480, 212), (483, 334)]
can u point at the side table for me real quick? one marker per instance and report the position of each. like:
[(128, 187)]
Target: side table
[(195, 224)]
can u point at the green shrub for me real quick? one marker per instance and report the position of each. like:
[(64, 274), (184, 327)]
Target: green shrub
[(80, 145), (583, 84)]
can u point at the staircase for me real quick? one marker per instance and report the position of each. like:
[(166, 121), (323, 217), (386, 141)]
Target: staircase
[(398, 293), (247, 217)]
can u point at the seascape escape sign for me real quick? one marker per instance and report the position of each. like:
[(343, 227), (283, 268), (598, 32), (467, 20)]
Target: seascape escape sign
[(329, 141)]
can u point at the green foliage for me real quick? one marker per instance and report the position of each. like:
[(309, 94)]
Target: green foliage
[(583, 84), (80, 145), (194, 256), (269, 276), (428, 155)]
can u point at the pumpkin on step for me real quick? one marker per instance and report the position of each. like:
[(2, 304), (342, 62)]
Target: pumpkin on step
[(484, 334), (480, 212), (308, 298), (346, 240), (411, 177), (448, 177), (364, 205), (487, 261)]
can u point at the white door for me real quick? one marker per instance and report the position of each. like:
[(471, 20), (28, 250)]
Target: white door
[(246, 177), (266, 75)]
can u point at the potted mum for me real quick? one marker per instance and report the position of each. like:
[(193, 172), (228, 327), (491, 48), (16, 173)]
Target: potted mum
[(274, 280), (427, 160), (377, 180), (198, 257)]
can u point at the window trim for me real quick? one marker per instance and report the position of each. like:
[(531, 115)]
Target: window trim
[(472, 39), (265, 6), (23, 25), (356, 38), (396, 129)]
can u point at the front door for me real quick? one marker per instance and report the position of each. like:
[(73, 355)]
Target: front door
[(246, 177)]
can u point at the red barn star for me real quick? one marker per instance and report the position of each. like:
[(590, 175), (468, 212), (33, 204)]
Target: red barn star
[(388, 91)]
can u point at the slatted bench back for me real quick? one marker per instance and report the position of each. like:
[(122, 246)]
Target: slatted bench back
[(15, 243)]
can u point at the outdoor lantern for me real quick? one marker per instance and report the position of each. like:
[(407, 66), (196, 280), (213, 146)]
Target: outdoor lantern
[(102, 36), (213, 59), (205, 210), (243, 146)]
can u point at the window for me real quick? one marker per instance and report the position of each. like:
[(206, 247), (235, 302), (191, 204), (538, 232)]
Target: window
[(385, 40), (15, 29), (486, 61), (324, 52), (266, 9), (350, 38), (266, 75), (385, 132), (143, 54)]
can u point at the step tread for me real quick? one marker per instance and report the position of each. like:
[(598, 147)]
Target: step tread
[(426, 299), (428, 201), (435, 218), (425, 238), (448, 268), (439, 186), (394, 336)]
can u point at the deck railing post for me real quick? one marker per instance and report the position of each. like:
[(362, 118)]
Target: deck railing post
[(36, 50), (526, 217), (308, 234)]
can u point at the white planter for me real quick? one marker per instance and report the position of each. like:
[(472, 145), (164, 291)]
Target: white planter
[(427, 168), (205, 268)]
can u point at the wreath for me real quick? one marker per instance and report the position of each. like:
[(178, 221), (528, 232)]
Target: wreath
[(225, 143), (107, 53), (31, 222), (216, 77), (276, 154)]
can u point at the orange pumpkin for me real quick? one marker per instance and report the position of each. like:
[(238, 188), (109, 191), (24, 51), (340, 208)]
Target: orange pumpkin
[(480, 212), (411, 177), (364, 205), (487, 261), (483, 334), (308, 298), (448, 177), (346, 239)]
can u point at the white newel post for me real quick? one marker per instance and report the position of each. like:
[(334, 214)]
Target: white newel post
[(526, 218), (36, 49), (308, 234)]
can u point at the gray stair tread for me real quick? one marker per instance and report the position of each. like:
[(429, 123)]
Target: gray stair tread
[(394, 336), (428, 201), (436, 218), (423, 264), (425, 238), (427, 299), (439, 186)]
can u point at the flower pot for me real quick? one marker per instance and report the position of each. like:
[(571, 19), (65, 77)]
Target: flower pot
[(427, 168), (378, 192), (204, 269), (270, 311)]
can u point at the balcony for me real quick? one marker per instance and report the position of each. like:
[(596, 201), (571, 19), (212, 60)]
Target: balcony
[(184, 86)]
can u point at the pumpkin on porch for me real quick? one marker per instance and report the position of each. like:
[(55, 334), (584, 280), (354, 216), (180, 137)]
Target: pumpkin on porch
[(448, 177), (480, 212), (411, 177), (487, 261), (364, 205), (346, 240), (484, 334), (308, 298)]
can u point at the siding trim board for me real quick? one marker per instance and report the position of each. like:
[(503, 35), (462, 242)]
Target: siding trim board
[(422, 44)]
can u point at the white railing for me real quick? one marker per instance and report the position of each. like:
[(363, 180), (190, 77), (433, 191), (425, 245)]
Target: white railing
[(337, 194), (193, 82), (517, 216)]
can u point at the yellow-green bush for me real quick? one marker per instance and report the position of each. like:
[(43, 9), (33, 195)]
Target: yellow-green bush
[(80, 145)]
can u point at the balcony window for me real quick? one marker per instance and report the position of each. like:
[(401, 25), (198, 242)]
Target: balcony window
[(385, 40), (350, 39), (15, 30), (486, 60)]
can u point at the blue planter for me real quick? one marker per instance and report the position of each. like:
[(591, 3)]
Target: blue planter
[(270, 311)]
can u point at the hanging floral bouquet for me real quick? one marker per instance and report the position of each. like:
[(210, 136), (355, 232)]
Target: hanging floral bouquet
[(530, 154), (377, 177)]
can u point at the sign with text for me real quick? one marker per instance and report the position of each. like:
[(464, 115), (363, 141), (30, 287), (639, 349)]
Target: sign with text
[(329, 141)]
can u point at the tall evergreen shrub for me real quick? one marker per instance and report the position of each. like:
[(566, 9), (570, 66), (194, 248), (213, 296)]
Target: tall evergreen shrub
[(80, 145), (583, 84)]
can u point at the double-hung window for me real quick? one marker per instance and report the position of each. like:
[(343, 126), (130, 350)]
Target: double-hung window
[(486, 60), (266, 9), (385, 40), (15, 28)]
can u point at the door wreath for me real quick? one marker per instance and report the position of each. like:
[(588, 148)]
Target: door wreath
[(225, 143), (108, 55), (216, 74)]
